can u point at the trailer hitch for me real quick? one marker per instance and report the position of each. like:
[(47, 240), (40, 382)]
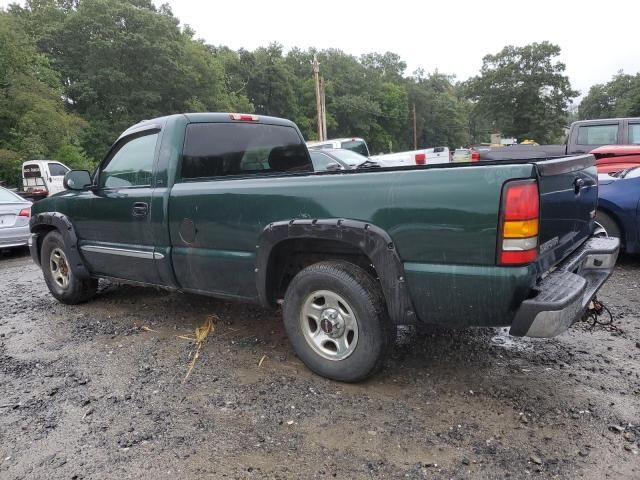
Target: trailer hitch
[(598, 315)]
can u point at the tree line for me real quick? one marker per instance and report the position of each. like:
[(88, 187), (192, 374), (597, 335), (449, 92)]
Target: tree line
[(75, 73)]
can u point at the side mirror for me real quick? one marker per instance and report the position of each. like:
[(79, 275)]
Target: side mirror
[(77, 180), (333, 167)]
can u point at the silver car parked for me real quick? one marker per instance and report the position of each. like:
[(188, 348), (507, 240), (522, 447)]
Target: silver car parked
[(15, 212)]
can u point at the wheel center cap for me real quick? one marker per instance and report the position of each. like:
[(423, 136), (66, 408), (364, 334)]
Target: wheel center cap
[(332, 323)]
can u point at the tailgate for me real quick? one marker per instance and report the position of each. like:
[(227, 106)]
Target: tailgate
[(568, 201)]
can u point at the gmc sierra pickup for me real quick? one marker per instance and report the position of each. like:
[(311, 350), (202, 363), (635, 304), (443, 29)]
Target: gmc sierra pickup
[(228, 205)]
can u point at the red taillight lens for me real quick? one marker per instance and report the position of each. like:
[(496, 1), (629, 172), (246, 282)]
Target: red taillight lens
[(243, 117), (420, 158), (519, 223), (521, 201), (518, 258), (475, 156), (25, 212)]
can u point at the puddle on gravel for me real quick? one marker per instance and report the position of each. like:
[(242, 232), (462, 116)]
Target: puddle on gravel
[(504, 340)]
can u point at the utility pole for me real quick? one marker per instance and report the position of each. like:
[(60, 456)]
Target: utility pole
[(316, 78), (323, 105), (415, 133)]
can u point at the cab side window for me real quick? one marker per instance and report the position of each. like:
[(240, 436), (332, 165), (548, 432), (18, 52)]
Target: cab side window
[(598, 134), (57, 170), (131, 164)]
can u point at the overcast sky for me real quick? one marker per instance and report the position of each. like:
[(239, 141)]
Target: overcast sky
[(597, 39)]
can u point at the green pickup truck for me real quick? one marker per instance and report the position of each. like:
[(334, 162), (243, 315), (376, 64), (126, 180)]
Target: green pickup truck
[(228, 205)]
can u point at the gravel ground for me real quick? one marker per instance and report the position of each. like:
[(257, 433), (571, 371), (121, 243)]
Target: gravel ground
[(97, 391)]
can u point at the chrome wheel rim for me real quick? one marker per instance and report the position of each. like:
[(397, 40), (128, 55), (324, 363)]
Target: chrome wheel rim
[(59, 267), (329, 325)]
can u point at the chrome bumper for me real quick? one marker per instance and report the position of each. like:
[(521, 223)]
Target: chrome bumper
[(563, 295)]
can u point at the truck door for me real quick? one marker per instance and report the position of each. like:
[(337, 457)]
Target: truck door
[(214, 216), (55, 177), (116, 238)]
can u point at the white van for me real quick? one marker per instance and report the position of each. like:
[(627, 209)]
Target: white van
[(41, 178)]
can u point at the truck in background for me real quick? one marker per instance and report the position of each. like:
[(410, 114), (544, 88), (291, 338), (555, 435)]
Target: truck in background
[(41, 178), (583, 137)]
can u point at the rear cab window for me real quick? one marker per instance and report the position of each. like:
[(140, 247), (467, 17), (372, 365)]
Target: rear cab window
[(32, 176), (31, 170), (214, 150), (598, 134)]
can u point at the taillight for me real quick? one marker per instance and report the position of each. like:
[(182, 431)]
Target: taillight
[(420, 158), (519, 223), (475, 156), (243, 117), (25, 212)]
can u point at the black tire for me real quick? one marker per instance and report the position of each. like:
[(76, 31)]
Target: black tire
[(75, 290), (609, 225), (375, 332)]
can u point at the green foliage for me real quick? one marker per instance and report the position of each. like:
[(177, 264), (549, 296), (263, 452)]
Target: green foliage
[(523, 92), (75, 73), (33, 120), (74, 157), (618, 98), (10, 168)]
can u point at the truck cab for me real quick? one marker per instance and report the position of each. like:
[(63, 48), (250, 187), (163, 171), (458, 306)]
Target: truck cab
[(587, 135)]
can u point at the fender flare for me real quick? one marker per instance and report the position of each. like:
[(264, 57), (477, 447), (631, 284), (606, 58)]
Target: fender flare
[(47, 221), (373, 241)]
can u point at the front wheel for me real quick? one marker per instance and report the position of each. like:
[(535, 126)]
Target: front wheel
[(62, 283), (337, 321)]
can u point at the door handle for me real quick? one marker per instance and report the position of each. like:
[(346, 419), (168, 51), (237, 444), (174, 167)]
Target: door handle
[(140, 209)]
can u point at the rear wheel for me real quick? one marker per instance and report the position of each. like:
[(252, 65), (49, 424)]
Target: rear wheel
[(606, 226), (336, 319), (62, 283)]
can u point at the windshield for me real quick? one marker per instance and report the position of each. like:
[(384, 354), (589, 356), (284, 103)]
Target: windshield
[(349, 157), (358, 146), (9, 197)]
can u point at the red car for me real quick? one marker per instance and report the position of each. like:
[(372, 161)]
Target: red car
[(614, 158)]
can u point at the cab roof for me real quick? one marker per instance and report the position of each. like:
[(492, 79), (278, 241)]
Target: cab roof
[(207, 117)]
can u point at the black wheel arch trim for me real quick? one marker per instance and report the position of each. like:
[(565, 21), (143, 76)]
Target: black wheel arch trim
[(373, 241), (47, 221)]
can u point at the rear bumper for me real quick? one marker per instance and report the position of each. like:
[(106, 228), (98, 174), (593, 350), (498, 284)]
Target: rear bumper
[(563, 295), (14, 236)]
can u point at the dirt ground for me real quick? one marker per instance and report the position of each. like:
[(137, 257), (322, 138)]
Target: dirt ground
[(96, 391)]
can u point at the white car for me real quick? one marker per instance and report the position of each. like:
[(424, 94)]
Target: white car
[(41, 178), (15, 212)]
